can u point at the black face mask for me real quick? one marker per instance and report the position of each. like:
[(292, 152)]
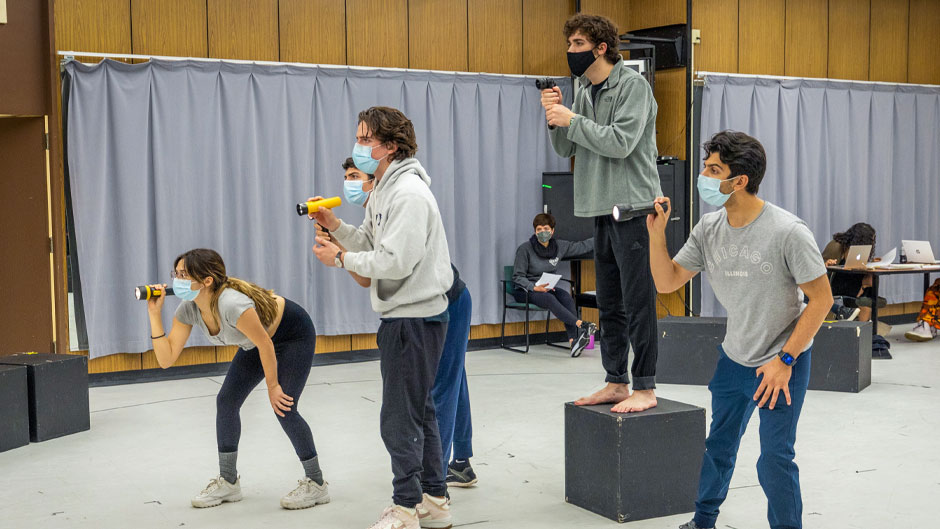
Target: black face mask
[(580, 61)]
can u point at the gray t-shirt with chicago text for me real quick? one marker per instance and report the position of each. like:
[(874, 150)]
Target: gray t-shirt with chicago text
[(755, 271), (232, 304)]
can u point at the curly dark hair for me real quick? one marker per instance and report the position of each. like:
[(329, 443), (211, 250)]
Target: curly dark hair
[(348, 164), (543, 219), (743, 154), (858, 234), (598, 30), (389, 125)]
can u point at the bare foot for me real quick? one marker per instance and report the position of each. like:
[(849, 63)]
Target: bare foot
[(610, 394), (642, 399)]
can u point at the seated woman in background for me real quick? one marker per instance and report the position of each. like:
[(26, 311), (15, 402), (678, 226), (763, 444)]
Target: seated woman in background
[(856, 286), (541, 254), (928, 321)]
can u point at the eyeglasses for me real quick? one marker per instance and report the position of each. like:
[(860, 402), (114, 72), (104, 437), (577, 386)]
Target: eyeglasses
[(179, 274)]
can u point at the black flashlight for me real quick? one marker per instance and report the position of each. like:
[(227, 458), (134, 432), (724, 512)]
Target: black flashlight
[(625, 212)]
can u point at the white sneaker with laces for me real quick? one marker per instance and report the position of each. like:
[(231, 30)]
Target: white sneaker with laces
[(218, 491), (307, 494), (922, 332), (397, 517), (434, 513)]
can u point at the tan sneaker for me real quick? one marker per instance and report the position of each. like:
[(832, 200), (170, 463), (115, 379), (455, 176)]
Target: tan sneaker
[(217, 491), (397, 517), (307, 494), (434, 513)]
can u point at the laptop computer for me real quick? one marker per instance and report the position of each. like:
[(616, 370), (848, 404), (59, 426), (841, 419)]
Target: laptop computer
[(857, 257), (918, 252)]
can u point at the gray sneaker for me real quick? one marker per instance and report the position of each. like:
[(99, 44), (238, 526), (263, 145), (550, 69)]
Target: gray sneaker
[(584, 338), (691, 525)]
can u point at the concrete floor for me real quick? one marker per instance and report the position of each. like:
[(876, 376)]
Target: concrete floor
[(868, 460)]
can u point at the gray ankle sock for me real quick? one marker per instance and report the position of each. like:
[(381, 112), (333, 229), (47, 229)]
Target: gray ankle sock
[(227, 466), (312, 470)]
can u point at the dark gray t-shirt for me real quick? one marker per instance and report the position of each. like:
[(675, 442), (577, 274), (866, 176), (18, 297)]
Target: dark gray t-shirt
[(232, 304), (755, 272)]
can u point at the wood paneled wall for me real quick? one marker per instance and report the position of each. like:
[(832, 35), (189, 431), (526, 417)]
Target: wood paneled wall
[(862, 40), (499, 36)]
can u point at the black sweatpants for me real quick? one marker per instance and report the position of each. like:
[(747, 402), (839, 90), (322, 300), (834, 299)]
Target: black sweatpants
[(410, 352), (626, 300), (558, 302), (294, 344)]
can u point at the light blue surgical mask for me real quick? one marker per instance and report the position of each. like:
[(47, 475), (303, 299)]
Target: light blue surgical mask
[(710, 190), (354, 193), (182, 288), (362, 157)]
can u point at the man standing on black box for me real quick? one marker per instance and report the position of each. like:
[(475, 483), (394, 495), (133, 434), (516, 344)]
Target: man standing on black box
[(761, 260), (611, 132)]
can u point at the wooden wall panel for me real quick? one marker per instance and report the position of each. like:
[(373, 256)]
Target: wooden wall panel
[(761, 36), (807, 44), (332, 344), (848, 39), (169, 27), (190, 356), (225, 353), (543, 40), (112, 363), (243, 29), (495, 36), (616, 10), (718, 22), (437, 35), (653, 13), (312, 31), (924, 42), (93, 26), (377, 31), (888, 43), (362, 342), (670, 94)]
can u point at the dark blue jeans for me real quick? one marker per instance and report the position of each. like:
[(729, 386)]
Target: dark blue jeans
[(451, 397), (733, 387)]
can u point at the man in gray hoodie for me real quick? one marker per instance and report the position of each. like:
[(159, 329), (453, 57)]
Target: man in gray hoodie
[(402, 248), (611, 132)]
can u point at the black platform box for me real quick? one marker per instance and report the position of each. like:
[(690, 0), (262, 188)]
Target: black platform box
[(688, 353), (634, 466), (58, 393), (14, 408)]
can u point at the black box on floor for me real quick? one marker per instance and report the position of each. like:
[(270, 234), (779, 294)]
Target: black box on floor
[(14, 408), (634, 466), (688, 353), (58, 393)]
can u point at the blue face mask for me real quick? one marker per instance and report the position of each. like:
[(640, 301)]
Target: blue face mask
[(354, 193), (182, 288), (710, 190), (362, 157)]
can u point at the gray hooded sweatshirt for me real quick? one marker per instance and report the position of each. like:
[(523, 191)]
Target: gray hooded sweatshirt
[(401, 245)]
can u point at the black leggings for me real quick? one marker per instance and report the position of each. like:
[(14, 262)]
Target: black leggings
[(558, 302), (294, 343)]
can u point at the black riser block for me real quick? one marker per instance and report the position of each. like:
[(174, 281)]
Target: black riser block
[(688, 353), (635, 466), (14, 407), (58, 393)]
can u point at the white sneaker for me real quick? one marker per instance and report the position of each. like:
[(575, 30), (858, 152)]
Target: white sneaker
[(921, 332), (307, 494), (397, 517), (217, 491), (434, 513)]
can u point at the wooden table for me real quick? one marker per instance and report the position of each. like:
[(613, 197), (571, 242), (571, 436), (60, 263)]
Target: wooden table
[(876, 274)]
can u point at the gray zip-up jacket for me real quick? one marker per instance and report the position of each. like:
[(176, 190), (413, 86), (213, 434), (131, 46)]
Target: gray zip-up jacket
[(613, 144), (529, 267), (401, 245)]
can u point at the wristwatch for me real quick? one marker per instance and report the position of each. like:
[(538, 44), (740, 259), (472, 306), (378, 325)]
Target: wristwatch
[(338, 262), (786, 358)]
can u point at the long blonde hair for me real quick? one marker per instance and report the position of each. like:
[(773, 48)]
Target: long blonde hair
[(201, 263)]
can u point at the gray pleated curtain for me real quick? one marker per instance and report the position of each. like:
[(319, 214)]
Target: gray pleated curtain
[(840, 152), (166, 156)]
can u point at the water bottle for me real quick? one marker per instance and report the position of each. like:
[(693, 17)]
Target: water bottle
[(903, 258)]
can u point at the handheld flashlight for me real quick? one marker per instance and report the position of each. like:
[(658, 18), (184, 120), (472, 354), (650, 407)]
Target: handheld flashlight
[(625, 212), (145, 292), (310, 206)]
